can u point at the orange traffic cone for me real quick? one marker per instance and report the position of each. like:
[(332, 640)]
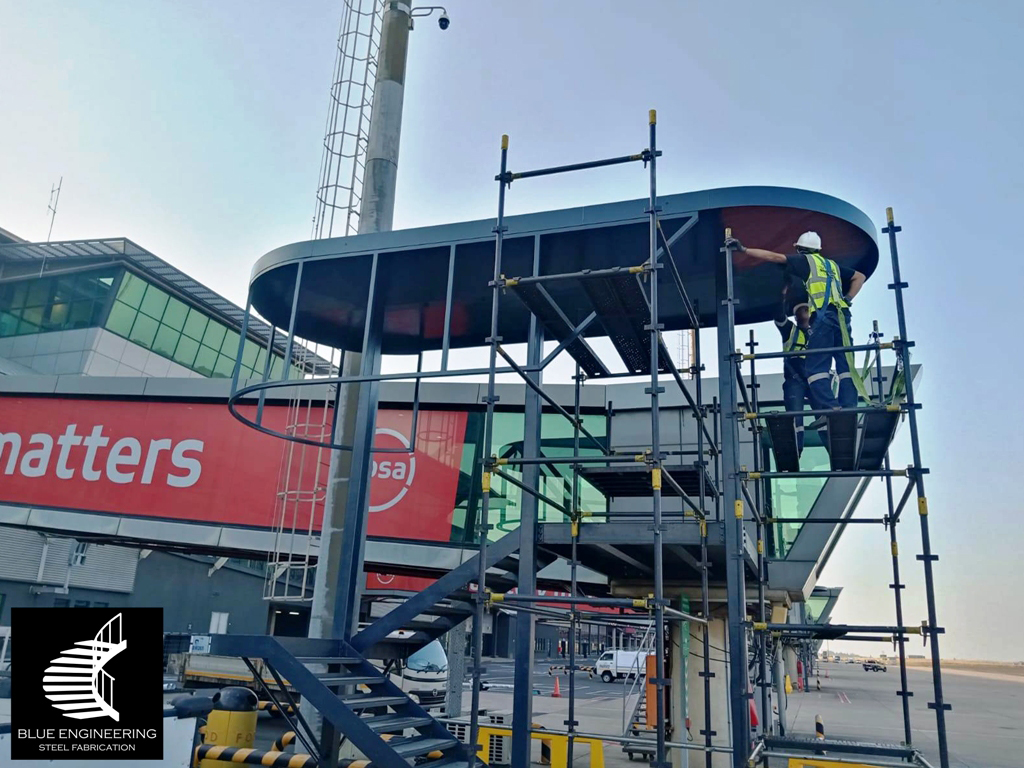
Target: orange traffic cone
[(557, 693)]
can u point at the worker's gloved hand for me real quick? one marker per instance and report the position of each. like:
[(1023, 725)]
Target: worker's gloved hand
[(732, 242)]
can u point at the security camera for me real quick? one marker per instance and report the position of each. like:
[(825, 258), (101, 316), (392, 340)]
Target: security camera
[(443, 21)]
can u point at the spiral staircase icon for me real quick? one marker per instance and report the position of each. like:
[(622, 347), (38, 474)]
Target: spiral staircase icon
[(76, 682)]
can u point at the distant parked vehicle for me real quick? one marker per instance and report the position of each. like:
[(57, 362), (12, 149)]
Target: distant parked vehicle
[(874, 666), (614, 664)]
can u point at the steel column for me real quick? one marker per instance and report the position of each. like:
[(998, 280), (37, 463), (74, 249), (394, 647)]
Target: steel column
[(654, 390), (522, 692), (483, 526), (927, 558), (732, 512)]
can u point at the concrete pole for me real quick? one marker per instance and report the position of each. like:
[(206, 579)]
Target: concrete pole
[(377, 210)]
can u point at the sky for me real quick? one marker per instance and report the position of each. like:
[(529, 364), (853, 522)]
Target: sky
[(195, 129)]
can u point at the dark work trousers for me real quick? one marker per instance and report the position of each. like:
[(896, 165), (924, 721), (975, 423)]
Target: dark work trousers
[(795, 392), (829, 328)]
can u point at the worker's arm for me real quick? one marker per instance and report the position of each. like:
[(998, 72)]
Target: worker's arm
[(856, 283), (758, 253)]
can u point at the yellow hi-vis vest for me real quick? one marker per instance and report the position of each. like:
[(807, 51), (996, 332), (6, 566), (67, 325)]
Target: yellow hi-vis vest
[(824, 285), (797, 339)]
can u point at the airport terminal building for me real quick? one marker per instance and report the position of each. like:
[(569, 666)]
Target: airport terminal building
[(102, 342)]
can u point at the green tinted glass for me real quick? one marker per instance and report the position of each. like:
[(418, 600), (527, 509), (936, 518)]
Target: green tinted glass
[(230, 344), (8, 324), (175, 313), (250, 353), (19, 294), (224, 368), (154, 303), (84, 314), (166, 341), (195, 325), (38, 292), (206, 360), (144, 331), (121, 319), (132, 290), (185, 353), (214, 335), (276, 367)]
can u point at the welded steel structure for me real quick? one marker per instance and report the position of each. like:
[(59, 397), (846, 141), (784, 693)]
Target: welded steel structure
[(628, 271)]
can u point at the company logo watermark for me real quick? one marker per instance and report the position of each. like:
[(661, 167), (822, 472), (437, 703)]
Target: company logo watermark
[(392, 472), (110, 680), (76, 682)]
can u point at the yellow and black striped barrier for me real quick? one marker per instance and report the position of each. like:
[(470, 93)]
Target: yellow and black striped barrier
[(564, 669), (274, 709), (285, 740), (249, 756)]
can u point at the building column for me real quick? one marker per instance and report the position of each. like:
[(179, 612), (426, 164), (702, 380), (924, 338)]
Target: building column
[(718, 635), (790, 658)]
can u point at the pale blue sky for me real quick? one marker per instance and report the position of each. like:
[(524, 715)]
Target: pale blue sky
[(194, 128)]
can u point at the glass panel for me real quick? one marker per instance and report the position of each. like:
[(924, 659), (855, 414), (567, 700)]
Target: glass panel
[(230, 344), (26, 327), (277, 367), (206, 361), (793, 498), (224, 368), (57, 316), (175, 314), (249, 353), (132, 290), (261, 362), (154, 302), (214, 335), (19, 294), (121, 319), (144, 331), (166, 341), (185, 353), (85, 314), (8, 324), (195, 325), (38, 292), (33, 315)]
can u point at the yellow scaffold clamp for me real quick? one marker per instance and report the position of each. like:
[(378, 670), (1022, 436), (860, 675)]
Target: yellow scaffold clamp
[(738, 506), (656, 479), (485, 482)]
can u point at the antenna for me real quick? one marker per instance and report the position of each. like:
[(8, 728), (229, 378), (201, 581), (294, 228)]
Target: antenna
[(52, 205)]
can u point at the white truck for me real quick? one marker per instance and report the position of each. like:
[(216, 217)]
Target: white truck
[(612, 665)]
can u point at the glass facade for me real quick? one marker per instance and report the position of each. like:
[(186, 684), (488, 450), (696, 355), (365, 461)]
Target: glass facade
[(152, 318), (507, 499), (55, 303), (793, 498), (138, 311)]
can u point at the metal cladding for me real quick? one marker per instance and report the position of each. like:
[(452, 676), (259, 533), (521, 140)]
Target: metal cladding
[(416, 266)]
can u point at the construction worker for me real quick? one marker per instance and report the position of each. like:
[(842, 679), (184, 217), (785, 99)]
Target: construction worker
[(830, 291), (795, 389)]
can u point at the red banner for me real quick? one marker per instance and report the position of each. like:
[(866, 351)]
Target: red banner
[(195, 462)]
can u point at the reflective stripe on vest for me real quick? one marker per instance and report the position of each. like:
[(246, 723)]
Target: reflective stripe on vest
[(824, 278), (797, 339)]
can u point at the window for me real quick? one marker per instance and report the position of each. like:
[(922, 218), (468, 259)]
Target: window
[(81, 604), (61, 602), (78, 553), (98, 604), (55, 303), (218, 622)]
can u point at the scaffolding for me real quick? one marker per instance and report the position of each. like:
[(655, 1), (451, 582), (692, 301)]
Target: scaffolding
[(715, 490), (734, 487)]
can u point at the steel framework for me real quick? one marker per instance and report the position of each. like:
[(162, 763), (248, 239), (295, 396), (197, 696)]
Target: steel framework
[(714, 489)]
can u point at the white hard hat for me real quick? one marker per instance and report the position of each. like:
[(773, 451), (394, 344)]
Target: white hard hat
[(809, 240)]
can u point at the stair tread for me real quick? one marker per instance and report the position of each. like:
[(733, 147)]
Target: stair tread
[(328, 659), (365, 701), (396, 722), (421, 745), (335, 678)]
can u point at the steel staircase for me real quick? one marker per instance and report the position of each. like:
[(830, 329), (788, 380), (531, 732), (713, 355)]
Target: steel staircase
[(356, 698)]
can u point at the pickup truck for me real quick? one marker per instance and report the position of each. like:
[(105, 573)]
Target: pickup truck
[(873, 666)]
